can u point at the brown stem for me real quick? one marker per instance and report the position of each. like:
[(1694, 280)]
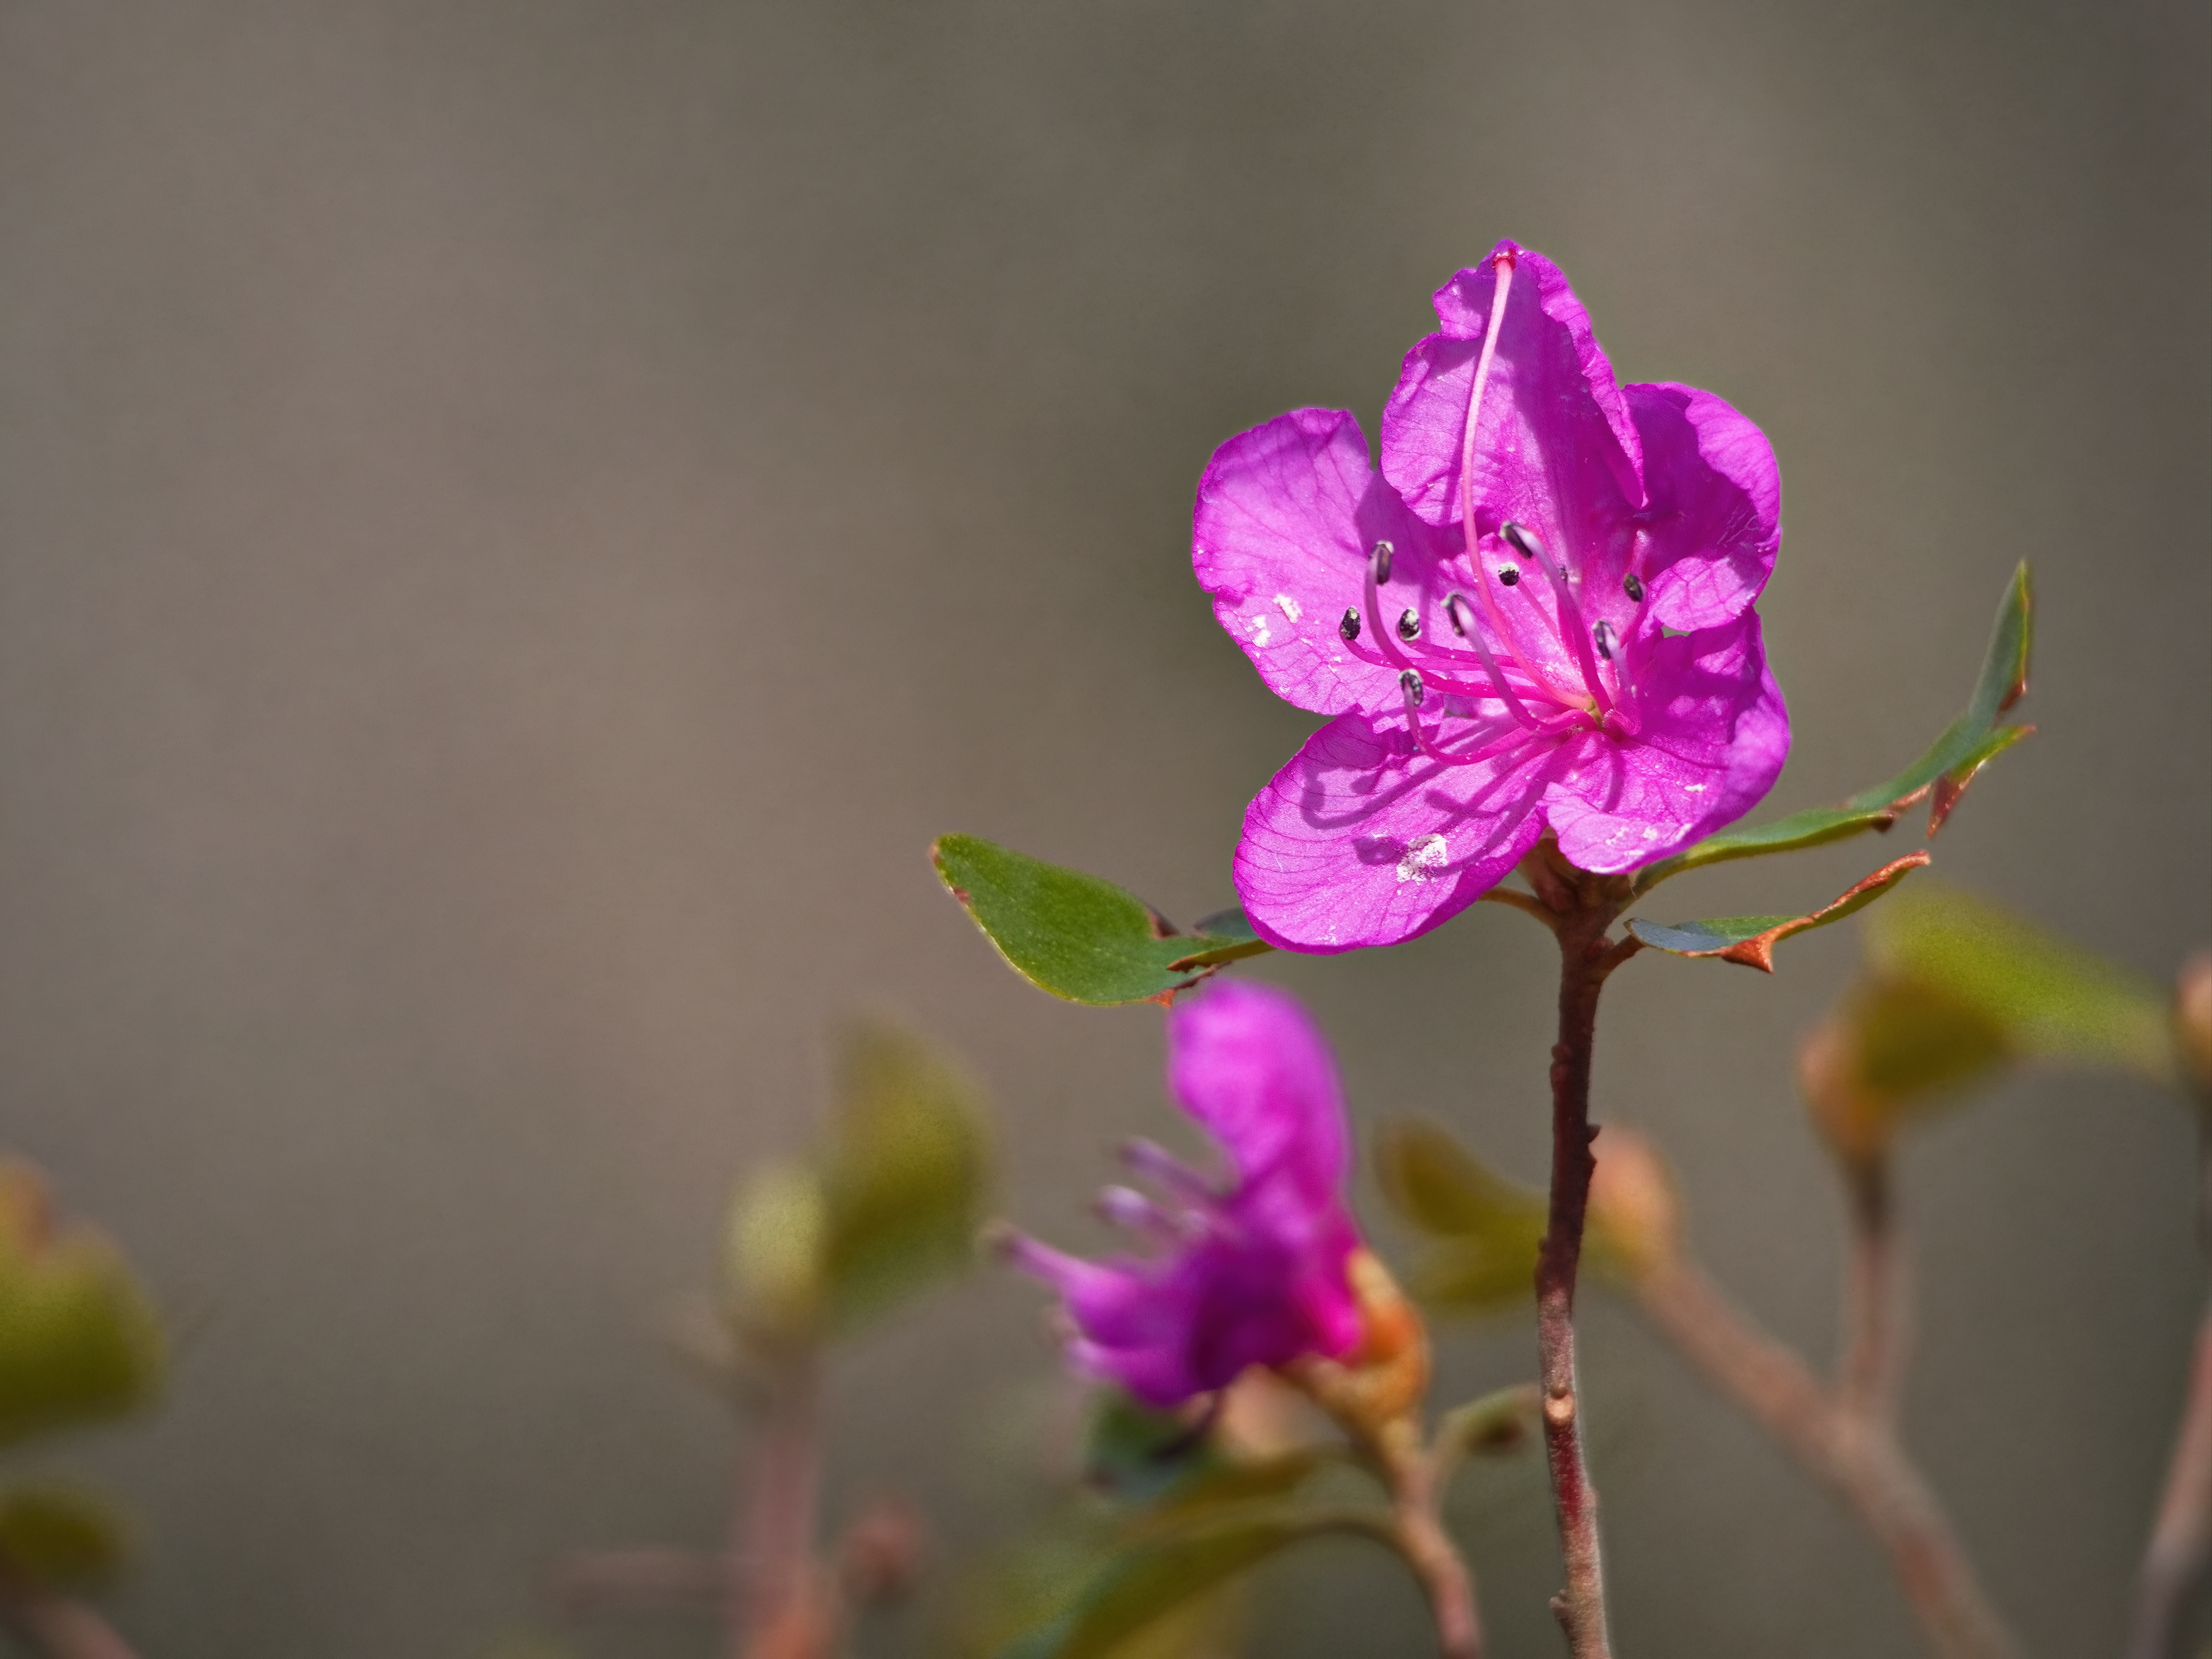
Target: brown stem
[(1876, 1313), (1418, 1532), (57, 1626), (2181, 1542), (1584, 907), (1854, 1453), (785, 1610)]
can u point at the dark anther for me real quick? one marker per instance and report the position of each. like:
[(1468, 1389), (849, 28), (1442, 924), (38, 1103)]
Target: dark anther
[(1634, 588), (1509, 575), (1602, 632), (1409, 627), (1523, 544), (1379, 561), (1410, 684), (1454, 607), (1349, 627)]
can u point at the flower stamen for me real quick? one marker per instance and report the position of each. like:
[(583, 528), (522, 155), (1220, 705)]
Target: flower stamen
[(1165, 1170), (1573, 631), (1463, 623), (1378, 576)]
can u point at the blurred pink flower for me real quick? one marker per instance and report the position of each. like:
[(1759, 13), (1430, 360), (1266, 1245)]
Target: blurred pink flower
[(1586, 660), (1249, 1273)]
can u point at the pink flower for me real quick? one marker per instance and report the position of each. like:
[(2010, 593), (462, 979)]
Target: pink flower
[(1253, 1272), (1589, 664)]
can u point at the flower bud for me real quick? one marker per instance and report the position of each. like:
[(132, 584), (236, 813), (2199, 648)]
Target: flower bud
[(1376, 1389), (2192, 1019), (1895, 1047), (1635, 1214)]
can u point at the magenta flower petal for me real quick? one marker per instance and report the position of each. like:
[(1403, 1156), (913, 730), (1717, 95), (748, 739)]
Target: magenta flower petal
[(1245, 1061), (1252, 1274), (1706, 754), (1561, 637), (1362, 840), (1286, 516), (1713, 521), (1555, 447)]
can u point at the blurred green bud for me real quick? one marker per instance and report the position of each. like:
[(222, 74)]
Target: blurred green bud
[(79, 1342), (892, 1201), (907, 1174), (1483, 1229), (778, 1223), (1955, 990), (60, 1537), (1892, 1049)]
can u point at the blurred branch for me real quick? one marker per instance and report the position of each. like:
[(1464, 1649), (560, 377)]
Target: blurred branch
[(57, 1626), (1853, 1451), (2180, 1547), (1416, 1479), (1875, 1310), (2173, 1566), (787, 1609)]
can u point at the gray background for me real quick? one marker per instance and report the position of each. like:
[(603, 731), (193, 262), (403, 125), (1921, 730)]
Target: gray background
[(519, 522)]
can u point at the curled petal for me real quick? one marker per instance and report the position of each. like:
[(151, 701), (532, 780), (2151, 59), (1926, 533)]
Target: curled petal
[(1555, 449), (1363, 840), (1712, 520), (1714, 734)]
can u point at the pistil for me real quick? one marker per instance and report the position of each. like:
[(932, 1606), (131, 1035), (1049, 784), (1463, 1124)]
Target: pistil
[(1574, 633)]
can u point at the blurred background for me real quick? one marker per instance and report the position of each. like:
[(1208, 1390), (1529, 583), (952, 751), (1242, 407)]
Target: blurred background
[(520, 521)]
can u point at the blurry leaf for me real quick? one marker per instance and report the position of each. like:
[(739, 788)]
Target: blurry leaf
[(1487, 1228), (1440, 1187), (61, 1537), (1501, 1421), (1079, 937), (1225, 1486), (1136, 1453), (1750, 940), (1021, 1606), (904, 1186), (1943, 772), (1143, 1585), (1891, 1048), (1914, 1039), (2047, 998), (78, 1339)]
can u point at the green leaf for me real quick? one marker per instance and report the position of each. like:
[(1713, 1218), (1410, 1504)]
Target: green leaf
[(1942, 773), (1136, 1453), (1891, 1049), (1225, 1486), (777, 1224), (1485, 1229), (79, 1342), (61, 1537), (1495, 1423), (1750, 940), (1077, 936), (1142, 1585), (2045, 997), (905, 1185)]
